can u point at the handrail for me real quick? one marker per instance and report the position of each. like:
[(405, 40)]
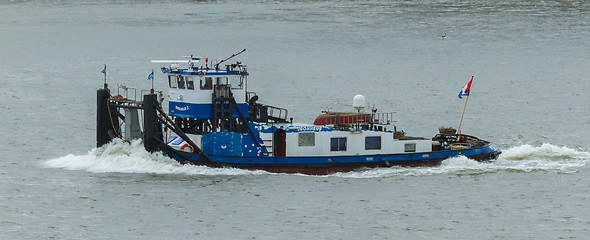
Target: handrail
[(282, 113)]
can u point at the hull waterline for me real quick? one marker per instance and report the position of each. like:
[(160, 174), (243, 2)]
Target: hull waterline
[(328, 168)]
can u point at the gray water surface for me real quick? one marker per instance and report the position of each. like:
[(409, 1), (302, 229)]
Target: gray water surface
[(531, 66)]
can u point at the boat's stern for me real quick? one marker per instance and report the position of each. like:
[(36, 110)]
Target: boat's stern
[(467, 145)]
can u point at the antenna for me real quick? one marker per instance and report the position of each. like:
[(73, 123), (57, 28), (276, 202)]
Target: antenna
[(191, 60), (170, 61), (217, 65)]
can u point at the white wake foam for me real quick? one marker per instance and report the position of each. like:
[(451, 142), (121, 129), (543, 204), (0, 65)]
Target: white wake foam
[(120, 157), (545, 151), (524, 158)]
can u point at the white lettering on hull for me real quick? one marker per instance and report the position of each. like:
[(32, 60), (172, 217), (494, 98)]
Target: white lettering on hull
[(181, 109)]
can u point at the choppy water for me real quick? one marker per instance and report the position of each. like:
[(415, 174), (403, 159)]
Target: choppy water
[(530, 59)]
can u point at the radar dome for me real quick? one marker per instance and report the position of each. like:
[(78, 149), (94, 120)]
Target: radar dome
[(358, 102)]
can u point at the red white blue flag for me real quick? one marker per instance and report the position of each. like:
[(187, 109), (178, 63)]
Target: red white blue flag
[(466, 90)]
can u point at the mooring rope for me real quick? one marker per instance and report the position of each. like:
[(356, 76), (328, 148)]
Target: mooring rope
[(111, 117)]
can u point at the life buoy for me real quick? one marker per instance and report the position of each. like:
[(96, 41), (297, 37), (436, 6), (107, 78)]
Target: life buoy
[(189, 146)]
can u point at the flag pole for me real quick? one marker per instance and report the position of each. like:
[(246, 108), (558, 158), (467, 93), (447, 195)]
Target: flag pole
[(465, 107), (104, 71), (459, 129), (152, 90)]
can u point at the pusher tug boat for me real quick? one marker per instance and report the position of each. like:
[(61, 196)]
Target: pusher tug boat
[(213, 120)]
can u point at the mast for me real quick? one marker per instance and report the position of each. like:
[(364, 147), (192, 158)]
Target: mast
[(465, 91), (104, 71)]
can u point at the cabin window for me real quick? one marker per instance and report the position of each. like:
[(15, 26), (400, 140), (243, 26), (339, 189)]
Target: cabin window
[(235, 82), (207, 84), (172, 81), (221, 80), (338, 144), (181, 82), (306, 139), (373, 143), (410, 147), (190, 83)]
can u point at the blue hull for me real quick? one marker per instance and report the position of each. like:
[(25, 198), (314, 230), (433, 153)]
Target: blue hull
[(320, 165)]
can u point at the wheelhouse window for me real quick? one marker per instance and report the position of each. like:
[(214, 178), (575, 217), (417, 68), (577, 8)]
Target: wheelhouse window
[(172, 81), (373, 143), (221, 80), (181, 82), (190, 83), (207, 83), (410, 147), (338, 144), (236, 82), (306, 139)]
